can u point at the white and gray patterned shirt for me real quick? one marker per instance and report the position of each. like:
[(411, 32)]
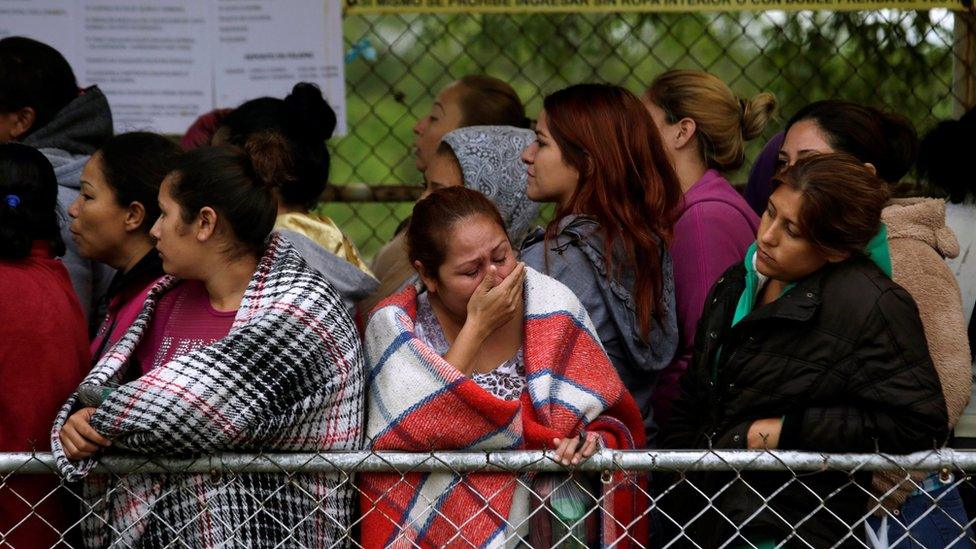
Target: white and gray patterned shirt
[(506, 382)]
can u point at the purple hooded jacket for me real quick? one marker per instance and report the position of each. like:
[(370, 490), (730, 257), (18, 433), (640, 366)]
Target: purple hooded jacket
[(714, 228)]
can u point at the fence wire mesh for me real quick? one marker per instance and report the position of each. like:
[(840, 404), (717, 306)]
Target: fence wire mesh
[(289, 500), (901, 60)]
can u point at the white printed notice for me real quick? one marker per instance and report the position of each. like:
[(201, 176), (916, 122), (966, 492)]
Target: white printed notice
[(48, 21), (264, 47), (162, 63), (151, 58)]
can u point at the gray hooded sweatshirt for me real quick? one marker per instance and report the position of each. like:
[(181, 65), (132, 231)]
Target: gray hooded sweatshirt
[(352, 284), (68, 141)]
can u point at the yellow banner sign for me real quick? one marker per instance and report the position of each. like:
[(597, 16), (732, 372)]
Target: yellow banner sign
[(582, 6)]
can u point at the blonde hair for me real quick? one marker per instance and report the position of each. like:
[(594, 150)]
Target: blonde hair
[(723, 121)]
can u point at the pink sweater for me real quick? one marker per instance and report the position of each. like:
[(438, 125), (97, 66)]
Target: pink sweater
[(714, 227), (184, 321)]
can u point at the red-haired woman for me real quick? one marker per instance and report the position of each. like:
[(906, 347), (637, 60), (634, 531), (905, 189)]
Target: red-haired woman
[(599, 157)]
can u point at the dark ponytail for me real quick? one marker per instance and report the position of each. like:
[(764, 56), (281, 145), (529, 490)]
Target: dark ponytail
[(887, 141), (28, 202), (224, 179), (303, 121)]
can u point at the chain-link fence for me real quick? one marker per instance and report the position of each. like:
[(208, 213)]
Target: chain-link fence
[(396, 63), (684, 498)]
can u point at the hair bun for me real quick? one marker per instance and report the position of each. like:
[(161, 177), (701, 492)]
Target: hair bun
[(270, 158), (312, 111), (756, 113)]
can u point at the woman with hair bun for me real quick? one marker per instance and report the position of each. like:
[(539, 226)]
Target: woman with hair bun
[(287, 141), (915, 242), (242, 348), (294, 131), (703, 128)]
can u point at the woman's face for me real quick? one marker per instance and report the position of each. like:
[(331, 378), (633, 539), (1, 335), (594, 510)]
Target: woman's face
[(475, 244), (551, 179), (783, 252), (443, 171), (98, 223), (444, 116), (805, 138), (176, 242)]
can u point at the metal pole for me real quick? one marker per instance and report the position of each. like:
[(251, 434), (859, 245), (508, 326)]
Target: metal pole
[(963, 61), (681, 460)]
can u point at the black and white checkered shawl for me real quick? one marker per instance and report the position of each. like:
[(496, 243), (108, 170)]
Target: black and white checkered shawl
[(287, 378)]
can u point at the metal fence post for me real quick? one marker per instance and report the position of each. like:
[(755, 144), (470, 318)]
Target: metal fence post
[(964, 62)]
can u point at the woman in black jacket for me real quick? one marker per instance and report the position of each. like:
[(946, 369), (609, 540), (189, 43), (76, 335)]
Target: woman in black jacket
[(808, 345)]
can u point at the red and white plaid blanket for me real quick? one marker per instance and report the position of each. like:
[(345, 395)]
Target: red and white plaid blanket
[(287, 378), (419, 402)]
